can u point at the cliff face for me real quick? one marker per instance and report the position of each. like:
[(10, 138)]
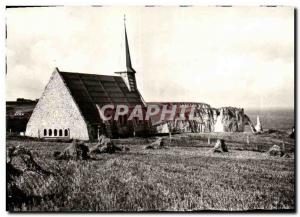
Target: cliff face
[(206, 119), (230, 119)]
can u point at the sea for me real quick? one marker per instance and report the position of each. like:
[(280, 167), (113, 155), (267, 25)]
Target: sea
[(281, 119)]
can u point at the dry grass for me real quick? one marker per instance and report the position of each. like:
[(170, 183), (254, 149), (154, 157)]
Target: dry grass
[(183, 177)]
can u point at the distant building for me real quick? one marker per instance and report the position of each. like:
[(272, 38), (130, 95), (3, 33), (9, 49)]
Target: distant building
[(67, 107), (17, 114)]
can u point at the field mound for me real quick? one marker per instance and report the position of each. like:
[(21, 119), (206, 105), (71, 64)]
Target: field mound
[(29, 178)]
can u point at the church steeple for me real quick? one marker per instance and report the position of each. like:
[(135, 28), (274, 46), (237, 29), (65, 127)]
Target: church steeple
[(128, 59), (129, 74)]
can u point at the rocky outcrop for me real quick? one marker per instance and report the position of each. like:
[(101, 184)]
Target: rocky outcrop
[(105, 145), (229, 119), (29, 178), (258, 126), (75, 151), (247, 121), (205, 119), (220, 146), (157, 144), (292, 134), (275, 150)]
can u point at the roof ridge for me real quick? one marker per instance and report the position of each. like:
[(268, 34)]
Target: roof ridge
[(80, 73)]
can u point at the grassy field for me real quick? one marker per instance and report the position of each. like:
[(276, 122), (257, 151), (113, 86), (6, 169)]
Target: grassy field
[(185, 176)]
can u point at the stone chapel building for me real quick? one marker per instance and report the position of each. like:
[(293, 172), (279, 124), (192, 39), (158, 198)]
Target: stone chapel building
[(67, 108)]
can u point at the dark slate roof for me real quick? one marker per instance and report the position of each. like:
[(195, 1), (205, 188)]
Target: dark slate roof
[(90, 89)]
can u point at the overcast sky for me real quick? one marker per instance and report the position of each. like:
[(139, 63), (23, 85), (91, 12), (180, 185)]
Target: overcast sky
[(239, 56)]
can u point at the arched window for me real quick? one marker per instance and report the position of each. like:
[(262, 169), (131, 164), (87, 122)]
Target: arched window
[(55, 132), (50, 132), (66, 132), (45, 132), (60, 132)]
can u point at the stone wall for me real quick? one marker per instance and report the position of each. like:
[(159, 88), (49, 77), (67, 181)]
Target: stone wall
[(56, 109)]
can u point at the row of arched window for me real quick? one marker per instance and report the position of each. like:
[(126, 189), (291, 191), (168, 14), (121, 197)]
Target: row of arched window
[(56, 132)]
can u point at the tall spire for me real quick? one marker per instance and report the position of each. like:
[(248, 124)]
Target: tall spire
[(127, 52), (129, 74)]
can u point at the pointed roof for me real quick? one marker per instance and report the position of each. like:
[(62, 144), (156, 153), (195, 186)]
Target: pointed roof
[(127, 52), (128, 59)]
